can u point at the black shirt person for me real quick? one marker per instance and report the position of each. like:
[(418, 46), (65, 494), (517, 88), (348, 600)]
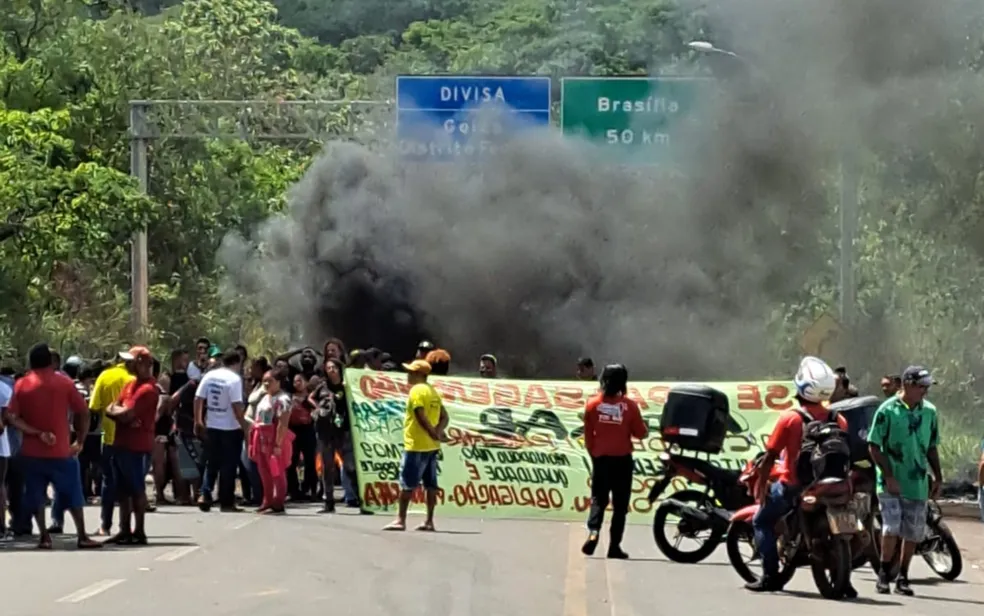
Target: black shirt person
[(331, 421)]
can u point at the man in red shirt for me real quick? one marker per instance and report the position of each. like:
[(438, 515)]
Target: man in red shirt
[(815, 384), (47, 455), (135, 414), (611, 421)]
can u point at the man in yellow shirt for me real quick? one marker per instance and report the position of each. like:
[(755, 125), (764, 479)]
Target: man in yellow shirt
[(423, 428), (105, 393)]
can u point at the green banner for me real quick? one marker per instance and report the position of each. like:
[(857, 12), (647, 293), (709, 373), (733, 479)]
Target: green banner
[(515, 448)]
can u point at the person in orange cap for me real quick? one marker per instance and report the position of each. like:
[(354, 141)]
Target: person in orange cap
[(440, 361), (423, 426), (135, 414)]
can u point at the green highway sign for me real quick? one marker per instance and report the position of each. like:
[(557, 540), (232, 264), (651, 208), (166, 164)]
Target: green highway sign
[(637, 118)]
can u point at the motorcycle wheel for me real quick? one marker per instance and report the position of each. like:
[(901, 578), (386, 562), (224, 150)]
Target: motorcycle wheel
[(695, 498), (838, 564), (740, 534), (945, 545)]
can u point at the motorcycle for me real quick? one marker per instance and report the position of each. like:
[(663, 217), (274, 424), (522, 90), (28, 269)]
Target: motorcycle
[(704, 515), (818, 531)]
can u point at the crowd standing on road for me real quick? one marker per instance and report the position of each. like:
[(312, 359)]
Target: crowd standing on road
[(91, 431), (94, 430)]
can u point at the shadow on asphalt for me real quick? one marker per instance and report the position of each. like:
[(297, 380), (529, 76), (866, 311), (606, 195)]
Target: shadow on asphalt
[(934, 582), (862, 600), (947, 599), (70, 544), (457, 532)]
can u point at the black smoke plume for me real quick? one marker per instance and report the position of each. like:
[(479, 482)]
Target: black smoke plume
[(546, 251)]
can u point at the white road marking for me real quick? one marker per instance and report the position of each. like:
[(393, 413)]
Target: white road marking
[(176, 553), (575, 578), (243, 524), (89, 591), (461, 593), (616, 589)]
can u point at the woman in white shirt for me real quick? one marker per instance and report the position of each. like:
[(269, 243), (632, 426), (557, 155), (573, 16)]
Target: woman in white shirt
[(5, 395), (270, 442)]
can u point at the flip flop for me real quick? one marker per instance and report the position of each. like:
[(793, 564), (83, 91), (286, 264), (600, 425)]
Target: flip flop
[(427, 528), (395, 526)]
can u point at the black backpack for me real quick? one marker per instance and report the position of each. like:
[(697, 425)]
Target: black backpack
[(825, 451)]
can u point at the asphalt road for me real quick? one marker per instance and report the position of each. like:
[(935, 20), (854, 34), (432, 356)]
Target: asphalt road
[(304, 563)]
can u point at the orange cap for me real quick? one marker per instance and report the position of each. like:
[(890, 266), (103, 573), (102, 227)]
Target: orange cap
[(418, 366)]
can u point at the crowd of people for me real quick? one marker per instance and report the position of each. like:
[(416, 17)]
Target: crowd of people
[(198, 422)]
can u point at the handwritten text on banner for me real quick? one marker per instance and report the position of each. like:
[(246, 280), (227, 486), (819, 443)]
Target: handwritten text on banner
[(516, 448)]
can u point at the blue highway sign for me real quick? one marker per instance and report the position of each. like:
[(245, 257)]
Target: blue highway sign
[(436, 117)]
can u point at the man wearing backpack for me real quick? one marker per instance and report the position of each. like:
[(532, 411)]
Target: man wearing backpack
[(902, 440), (815, 383)]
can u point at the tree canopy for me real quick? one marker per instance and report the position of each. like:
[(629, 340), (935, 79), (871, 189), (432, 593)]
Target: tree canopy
[(68, 69)]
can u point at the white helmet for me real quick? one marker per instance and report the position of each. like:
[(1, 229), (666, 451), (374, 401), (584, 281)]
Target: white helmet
[(815, 381)]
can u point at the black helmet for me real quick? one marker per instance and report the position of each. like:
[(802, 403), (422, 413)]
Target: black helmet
[(614, 378)]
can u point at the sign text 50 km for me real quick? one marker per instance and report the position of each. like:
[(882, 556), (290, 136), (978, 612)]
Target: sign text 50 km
[(639, 117)]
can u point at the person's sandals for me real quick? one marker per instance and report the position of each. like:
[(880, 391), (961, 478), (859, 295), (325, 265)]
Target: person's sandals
[(396, 525), (44, 542), (122, 538), (138, 539), (427, 527), (88, 544)]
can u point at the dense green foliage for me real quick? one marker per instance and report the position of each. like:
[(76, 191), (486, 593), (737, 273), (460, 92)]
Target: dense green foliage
[(67, 206)]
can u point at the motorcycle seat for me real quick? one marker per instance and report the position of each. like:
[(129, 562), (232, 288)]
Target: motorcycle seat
[(829, 486)]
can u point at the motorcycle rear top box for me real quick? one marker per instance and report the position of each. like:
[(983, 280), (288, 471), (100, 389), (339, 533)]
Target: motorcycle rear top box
[(695, 417), (858, 413)]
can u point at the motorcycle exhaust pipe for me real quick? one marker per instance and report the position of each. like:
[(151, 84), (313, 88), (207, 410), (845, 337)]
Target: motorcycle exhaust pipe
[(688, 512)]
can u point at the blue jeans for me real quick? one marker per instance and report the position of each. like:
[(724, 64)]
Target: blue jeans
[(419, 467), (253, 473), (108, 494), (777, 503), (223, 449), (351, 496)]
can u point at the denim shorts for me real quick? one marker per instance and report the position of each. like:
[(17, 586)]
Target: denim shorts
[(902, 517), (418, 467), (130, 472), (62, 473)]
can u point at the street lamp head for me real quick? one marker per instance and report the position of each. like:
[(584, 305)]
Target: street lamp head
[(700, 46), (709, 48)]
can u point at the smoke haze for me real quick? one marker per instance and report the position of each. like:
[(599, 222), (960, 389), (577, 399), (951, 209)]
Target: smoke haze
[(545, 253)]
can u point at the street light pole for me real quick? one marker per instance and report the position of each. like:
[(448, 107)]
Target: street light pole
[(139, 286), (849, 207)]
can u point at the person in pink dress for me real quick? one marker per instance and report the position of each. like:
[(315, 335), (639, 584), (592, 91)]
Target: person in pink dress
[(270, 441)]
